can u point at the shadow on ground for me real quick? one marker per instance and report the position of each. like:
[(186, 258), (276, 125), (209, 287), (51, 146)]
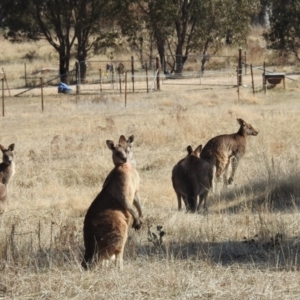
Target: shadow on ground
[(274, 195)]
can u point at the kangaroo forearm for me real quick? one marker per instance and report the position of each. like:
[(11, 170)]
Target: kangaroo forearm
[(133, 213), (136, 203)]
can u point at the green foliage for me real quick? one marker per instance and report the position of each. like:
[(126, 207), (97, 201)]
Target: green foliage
[(284, 33), (180, 27), (175, 28), (64, 24)]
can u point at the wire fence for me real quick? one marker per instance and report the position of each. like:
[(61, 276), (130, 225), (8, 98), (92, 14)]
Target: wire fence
[(131, 76)]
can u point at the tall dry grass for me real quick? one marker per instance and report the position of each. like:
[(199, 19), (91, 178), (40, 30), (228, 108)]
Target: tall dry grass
[(246, 247)]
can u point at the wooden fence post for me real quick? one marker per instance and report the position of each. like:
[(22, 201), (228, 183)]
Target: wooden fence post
[(146, 68), (100, 73), (3, 111), (132, 73), (240, 79), (42, 94), (120, 81), (4, 77), (238, 86), (245, 62), (251, 69), (157, 77), (264, 79), (125, 88), (112, 76), (25, 74)]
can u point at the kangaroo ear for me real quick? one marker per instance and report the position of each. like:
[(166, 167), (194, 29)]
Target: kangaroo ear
[(198, 150), (110, 144), (189, 149), (11, 147), (131, 139), (2, 148), (241, 122), (122, 141)]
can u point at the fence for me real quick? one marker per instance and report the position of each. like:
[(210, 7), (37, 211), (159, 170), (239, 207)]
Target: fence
[(130, 76), (260, 78), (117, 76)]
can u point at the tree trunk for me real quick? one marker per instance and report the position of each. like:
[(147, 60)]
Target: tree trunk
[(179, 61), (64, 66)]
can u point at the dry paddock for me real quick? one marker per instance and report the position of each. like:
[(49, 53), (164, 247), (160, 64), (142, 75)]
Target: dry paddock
[(246, 247)]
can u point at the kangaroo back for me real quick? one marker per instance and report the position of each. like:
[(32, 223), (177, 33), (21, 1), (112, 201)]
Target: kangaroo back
[(226, 150), (192, 177)]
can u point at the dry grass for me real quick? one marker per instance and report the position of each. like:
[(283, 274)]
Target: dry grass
[(246, 247)]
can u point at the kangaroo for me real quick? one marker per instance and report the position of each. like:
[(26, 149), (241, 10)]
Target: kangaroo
[(227, 150), (192, 176), (130, 160), (7, 171), (108, 217)]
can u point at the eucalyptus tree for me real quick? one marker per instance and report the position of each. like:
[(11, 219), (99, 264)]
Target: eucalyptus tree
[(64, 24), (182, 27), (284, 30)]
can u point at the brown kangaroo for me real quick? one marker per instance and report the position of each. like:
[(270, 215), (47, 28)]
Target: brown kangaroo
[(227, 149), (192, 176), (107, 219), (7, 171), (130, 160)]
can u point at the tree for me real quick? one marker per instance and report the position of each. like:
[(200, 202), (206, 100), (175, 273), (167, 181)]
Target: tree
[(62, 23), (182, 27), (262, 17), (284, 32), (93, 20)]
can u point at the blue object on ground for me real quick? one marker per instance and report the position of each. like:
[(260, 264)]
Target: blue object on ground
[(64, 88)]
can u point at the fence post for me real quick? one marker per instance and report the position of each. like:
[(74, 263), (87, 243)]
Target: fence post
[(157, 78), (120, 82), (146, 68), (42, 94), (132, 73), (125, 88), (238, 86), (3, 111), (264, 78), (240, 80), (251, 69), (25, 74), (4, 77), (78, 77), (112, 76), (100, 73), (245, 62)]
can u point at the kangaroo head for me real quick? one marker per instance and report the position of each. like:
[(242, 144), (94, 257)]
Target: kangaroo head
[(8, 154), (195, 152), (119, 151), (246, 128)]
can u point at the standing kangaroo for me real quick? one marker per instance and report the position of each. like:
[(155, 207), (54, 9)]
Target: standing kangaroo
[(227, 149), (127, 145), (7, 171), (192, 176), (107, 219)]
